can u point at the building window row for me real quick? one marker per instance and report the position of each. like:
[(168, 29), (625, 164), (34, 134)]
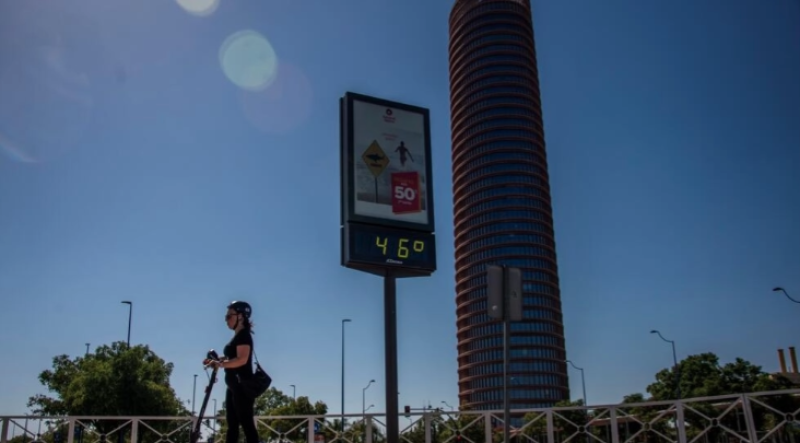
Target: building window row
[(475, 288), (515, 366), (508, 57), (527, 314), (500, 111), (507, 100), (503, 133), (529, 302), (501, 91), (505, 251), (522, 263), (501, 123), (497, 395), (509, 157), (497, 354), (478, 15), (507, 79), (518, 68), (521, 168), (507, 202), (509, 226), (509, 22), (525, 263), (501, 146), (497, 328), (503, 180), (506, 191), (511, 238), (517, 340)]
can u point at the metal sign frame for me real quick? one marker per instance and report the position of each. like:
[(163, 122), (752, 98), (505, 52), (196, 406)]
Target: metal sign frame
[(349, 154)]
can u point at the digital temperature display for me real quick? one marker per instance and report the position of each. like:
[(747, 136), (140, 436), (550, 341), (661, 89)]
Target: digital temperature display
[(385, 247)]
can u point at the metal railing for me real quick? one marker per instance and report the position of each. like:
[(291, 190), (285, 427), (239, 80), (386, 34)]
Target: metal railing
[(763, 417)]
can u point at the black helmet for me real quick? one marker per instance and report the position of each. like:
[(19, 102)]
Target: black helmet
[(241, 307)]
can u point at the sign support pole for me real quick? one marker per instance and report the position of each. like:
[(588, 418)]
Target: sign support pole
[(505, 303), (506, 411), (390, 332)]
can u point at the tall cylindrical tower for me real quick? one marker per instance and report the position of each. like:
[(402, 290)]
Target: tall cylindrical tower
[(502, 210)]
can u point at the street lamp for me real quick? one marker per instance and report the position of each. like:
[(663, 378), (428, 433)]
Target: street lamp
[(448, 405), (130, 316), (87, 350), (194, 392), (675, 360), (779, 289), (364, 396), (294, 391), (344, 320), (583, 381)]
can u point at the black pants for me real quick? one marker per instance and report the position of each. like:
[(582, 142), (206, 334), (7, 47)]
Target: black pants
[(239, 412)]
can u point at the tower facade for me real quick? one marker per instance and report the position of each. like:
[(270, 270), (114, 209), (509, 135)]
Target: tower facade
[(502, 207)]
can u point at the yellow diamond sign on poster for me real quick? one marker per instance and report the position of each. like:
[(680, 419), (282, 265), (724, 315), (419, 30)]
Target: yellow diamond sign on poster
[(375, 158)]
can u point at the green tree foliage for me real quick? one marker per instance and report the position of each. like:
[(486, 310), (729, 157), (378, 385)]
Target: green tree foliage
[(702, 375), (114, 380)]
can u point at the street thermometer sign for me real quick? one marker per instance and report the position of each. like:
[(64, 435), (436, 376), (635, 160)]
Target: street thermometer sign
[(387, 207)]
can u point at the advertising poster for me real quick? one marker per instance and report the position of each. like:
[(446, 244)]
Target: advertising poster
[(389, 155)]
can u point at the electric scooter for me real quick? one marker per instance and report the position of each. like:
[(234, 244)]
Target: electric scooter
[(195, 436)]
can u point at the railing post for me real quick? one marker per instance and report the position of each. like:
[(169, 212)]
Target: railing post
[(747, 410), (614, 425), (551, 434), (71, 430), (487, 430), (427, 417), (310, 425), (4, 431), (135, 430), (680, 422), (368, 424)]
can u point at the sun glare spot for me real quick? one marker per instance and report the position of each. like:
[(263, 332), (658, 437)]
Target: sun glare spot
[(201, 8), (248, 60)]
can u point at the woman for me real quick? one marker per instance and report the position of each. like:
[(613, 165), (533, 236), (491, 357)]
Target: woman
[(238, 365)]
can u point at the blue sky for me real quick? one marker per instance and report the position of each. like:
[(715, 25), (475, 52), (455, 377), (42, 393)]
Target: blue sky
[(133, 168)]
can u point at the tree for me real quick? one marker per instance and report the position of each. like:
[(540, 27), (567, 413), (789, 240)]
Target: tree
[(114, 380), (702, 375)]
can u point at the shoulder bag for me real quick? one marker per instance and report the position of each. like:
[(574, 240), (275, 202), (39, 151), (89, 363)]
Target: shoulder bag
[(258, 383)]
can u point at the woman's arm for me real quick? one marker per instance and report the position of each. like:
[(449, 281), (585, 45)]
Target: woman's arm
[(235, 362)]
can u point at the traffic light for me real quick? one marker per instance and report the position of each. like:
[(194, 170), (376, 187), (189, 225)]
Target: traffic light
[(407, 409)]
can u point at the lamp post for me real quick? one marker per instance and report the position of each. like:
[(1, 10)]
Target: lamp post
[(194, 392), (675, 361), (294, 392), (779, 289), (130, 316), (583, 381), (447, 404), (344, 320), (364, 396)]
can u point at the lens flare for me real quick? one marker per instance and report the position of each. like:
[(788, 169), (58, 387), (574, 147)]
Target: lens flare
[(248, 60), (202, 8)]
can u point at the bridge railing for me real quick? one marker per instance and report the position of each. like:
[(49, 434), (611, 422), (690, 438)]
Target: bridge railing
[(763, 417)]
